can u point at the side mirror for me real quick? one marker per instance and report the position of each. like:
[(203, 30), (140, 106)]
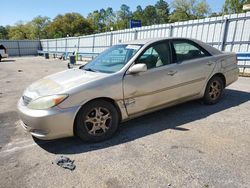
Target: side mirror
[(137, 68)]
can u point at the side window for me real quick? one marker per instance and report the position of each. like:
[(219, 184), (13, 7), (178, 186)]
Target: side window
[(185, 50), (156, 56)]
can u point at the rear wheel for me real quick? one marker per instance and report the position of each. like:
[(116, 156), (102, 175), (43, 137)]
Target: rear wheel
[(0, 58), (214, 90), (97, 121)]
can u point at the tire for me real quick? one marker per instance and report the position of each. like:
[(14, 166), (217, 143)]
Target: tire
[(0, 58), (214, 90), (96, 121)]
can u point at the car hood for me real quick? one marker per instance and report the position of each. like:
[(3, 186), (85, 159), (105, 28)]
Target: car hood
[(61, 82)]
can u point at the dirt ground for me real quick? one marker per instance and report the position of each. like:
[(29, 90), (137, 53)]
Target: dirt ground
[(190, 145)]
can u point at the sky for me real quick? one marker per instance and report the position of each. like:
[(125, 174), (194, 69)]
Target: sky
[(13, 11)]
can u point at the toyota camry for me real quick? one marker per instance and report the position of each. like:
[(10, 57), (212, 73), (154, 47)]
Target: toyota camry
[(125, 81)]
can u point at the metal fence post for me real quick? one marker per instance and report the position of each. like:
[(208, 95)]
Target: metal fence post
[(93, 44), (170, 31), (111, 38), (78, 44), (135, 35), (56, 46), (224, 35), (66, 47), (47, 44), (40, 45), (18, 45)]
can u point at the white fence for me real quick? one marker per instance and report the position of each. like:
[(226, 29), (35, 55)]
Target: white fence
[(21, 47), (227, 33)]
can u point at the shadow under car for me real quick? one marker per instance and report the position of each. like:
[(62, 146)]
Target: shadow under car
[(169, 118)]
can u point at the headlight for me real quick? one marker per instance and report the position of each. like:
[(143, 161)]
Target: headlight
[(43, 103)]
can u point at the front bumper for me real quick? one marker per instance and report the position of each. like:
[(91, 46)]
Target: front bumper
[(47, 124)]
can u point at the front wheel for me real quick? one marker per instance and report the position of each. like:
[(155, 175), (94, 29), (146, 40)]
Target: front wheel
[(214, 90), (97, 121)]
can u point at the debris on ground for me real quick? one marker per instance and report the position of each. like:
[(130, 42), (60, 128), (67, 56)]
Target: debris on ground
[(65, 163), (20, 70)]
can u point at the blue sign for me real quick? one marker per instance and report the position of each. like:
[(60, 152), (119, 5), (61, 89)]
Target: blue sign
[(135, 23)]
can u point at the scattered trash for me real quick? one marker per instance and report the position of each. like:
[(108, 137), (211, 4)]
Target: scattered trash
[(20, 70), (169, 184), (65, 163)]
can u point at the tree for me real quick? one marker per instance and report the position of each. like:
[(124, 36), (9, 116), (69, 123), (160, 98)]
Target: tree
[(162, 10), (189, 9), (123, 17), (72, 24), (109, 19), (3, 32), (138, 14), (39, 27), (233, 6), (20, 31), (95, 20), (201, 9), (102, 20), (150, 15)]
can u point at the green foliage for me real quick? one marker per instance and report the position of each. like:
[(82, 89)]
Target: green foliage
[(102, 20), (20, 31), (234, 6), (4, 32), (138, 14), (70, 24), (150, 15), (74, 24), (39, 27), (162, 11), (189, 9), (123, 17)]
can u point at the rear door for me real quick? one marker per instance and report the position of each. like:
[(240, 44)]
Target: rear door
[(194, 65)]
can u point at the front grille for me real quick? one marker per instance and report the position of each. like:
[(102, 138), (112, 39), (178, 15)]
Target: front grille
[(26, 100)]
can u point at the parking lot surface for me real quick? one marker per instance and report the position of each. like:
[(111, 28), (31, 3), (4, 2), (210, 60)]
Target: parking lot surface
[(189, 145)]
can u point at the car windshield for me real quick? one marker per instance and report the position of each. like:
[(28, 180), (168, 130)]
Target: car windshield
[(112, 59)]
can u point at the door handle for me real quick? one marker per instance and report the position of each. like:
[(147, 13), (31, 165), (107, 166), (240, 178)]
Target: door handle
[(210, 63), (172, 73)]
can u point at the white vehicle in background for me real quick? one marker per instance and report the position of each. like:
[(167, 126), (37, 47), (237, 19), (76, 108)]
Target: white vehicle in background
[(3, 52)]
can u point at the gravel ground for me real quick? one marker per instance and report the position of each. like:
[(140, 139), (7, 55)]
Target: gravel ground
[(189, 145)]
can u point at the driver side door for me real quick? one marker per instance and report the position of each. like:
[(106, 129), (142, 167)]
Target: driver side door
[(150, 89)]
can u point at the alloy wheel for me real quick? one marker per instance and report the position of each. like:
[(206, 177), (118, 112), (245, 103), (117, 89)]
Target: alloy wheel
[(98, 121), (215, 90)]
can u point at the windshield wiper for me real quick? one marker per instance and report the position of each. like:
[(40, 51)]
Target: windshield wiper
[(89, 69)]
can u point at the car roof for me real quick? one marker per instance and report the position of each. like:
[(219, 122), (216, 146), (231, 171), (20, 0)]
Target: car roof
[(151, 40), (209, 48)]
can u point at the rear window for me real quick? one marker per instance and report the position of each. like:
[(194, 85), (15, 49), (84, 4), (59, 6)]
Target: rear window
[(186, 50)]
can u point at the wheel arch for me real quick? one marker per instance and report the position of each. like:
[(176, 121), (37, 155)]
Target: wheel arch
[(110, 100), (222, 76)]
